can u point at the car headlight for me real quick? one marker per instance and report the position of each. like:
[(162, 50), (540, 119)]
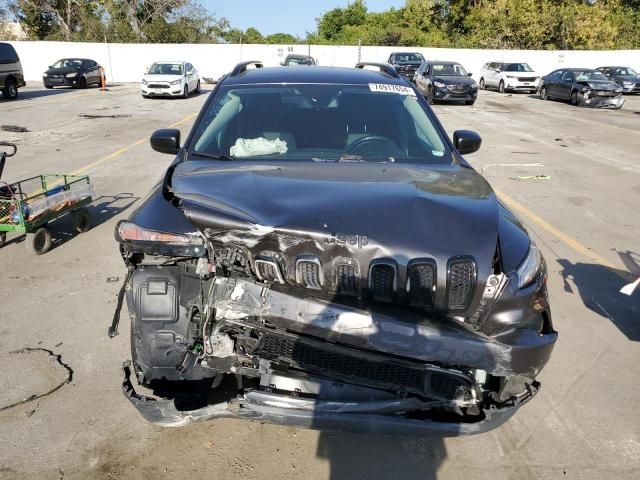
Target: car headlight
[(438, 84), (71, 75), (45, 75), (617, 90), (628, 84), (176, 82), (530, 268), (474, 84), (144, 81)]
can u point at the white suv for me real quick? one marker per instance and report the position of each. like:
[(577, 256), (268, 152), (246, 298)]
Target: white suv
[(515, 77)]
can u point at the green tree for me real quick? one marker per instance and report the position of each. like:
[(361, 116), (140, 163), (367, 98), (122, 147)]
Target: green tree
[(281, 39)]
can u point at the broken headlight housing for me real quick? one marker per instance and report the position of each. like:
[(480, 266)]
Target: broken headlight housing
[(153, 242), (530, 267)]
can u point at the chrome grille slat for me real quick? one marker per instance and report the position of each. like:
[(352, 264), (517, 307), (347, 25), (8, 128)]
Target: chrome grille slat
[(461, 283)]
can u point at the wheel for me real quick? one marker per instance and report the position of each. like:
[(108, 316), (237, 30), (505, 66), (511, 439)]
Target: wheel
[(82, 83), (185, 94), (39, 242), (48, 86), (430, 99), (544, 95), (469, 102), (482, 84), (3, 239), (10, 91), (81, 220), (574, 98), (145, 96), (198, 88), (501, 86)]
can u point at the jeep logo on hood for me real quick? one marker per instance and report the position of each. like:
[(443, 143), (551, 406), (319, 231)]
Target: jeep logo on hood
[(351, 240)]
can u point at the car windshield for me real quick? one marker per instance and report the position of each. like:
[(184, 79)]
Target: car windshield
[(518, 67), (68, 63), (165, 69), (300, 61), (625, 71), (320, 123), (448, 69), (409, 57), (583, 75)]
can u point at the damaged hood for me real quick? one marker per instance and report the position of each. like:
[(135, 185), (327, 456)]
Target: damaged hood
[(362, 211)]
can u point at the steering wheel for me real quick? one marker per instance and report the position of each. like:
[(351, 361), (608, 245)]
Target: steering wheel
[(385, 147)]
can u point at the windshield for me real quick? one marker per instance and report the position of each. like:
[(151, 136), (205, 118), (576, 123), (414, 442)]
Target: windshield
[(448, 69), (409, 57), (300, 61), (68, 63), (321, 123), (165, 69), (625, 71), (518, 67), (584, 75)]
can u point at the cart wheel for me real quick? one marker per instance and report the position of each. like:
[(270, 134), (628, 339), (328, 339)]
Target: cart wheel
[(39, 242), (3, 239), (81, 220)]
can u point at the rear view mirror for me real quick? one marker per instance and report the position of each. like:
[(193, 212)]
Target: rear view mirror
[(466, 141), (166, 140)]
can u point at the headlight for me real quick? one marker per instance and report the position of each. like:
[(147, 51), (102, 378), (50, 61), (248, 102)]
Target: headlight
[(438, 84), (617, 90), (530, 268), (144, 82), (71, 75), (176, 82), (628, 84), (474, 84), (45, 75)]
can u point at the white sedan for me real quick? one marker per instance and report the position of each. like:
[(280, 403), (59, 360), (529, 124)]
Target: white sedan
[(170, 79)]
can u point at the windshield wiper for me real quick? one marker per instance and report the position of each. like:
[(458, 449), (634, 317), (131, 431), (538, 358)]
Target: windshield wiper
[(212, 156)]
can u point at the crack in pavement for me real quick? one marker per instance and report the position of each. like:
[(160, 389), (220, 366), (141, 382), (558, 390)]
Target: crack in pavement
[(31, 398)]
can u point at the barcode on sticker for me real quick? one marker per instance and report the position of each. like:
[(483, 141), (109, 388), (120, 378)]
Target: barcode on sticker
[(388, 88)]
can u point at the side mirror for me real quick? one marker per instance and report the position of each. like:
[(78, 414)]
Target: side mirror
[(166, 140), (49, 67), (466, 141), (469, 74), (498, 70)]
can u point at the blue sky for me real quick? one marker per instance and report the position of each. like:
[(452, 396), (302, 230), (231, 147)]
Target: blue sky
[(289, 16)]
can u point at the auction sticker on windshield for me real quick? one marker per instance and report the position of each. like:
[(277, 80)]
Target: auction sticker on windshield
[(387, 88)]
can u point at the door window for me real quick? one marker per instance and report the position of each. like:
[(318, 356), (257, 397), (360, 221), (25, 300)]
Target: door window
[(7, 54)]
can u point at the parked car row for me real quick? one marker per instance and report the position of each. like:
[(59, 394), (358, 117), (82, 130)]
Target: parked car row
[(443, 81)]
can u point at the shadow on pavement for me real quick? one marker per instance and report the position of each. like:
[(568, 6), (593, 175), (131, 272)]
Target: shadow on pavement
[(599, 288), (353, 456)]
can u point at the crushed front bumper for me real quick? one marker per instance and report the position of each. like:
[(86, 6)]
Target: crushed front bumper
[(596, 101), (306, 413)]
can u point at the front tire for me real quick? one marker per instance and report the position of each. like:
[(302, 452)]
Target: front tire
[(3, 239), (483, 86), (82, 83), (469, 102), (185, 94), (574, 98), (198, 88), (544, 95), (49, 87), (501, 86), (39, 242), (10, 91)]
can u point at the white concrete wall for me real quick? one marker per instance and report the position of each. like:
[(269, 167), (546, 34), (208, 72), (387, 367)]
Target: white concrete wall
[(126, 62)]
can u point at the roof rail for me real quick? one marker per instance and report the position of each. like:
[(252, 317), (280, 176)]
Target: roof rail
[(384, 67), (241, 67)]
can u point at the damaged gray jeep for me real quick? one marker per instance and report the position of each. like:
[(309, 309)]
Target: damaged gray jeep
[(319, 254)]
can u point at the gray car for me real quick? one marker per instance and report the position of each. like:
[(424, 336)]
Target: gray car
[(626, 77)]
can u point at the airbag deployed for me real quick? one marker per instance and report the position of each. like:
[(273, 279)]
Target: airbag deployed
[(251, 147)]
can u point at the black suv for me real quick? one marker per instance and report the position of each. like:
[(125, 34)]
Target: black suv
[(320, 254), (11, 76), (446, 82), (406, 63)]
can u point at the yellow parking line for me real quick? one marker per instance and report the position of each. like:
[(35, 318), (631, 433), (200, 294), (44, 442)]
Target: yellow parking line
[(119, 152), (54, 100), (560, 235)]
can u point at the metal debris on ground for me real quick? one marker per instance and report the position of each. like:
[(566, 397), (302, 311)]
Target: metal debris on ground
[(531, 177), (13, 128)]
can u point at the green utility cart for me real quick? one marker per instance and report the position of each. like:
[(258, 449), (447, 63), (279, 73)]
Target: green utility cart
[(29, 205)]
